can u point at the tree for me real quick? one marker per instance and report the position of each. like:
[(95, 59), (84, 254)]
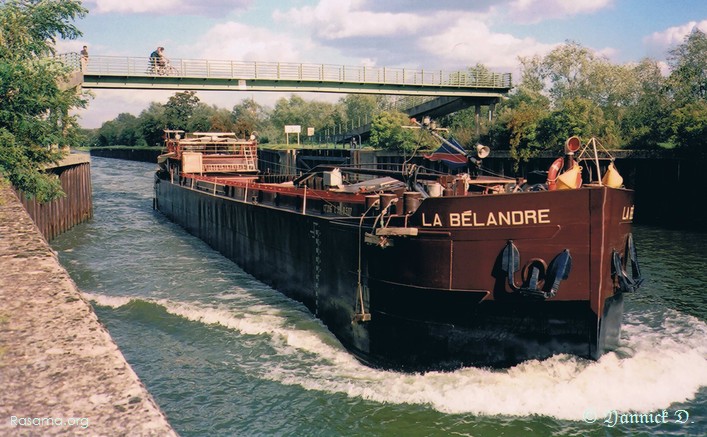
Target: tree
[(360, 108), (221, 121), (179, 109), (688, 86), (577, 117), (518, 123), (572, 91), (248, 117), (297, 111), (387, 132), (200, 119), (644, 124), (34, 109), (151, 124), (690, 125), (688, 63)]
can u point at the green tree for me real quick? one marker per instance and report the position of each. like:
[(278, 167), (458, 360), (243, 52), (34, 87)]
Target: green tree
[(359, 108), (387, 132), (572, 91), (122, 130), (152, 123), (645, 123), (249, 117), (34, 106), (179, 110), (689, 124), (518, 123), (221, 121), (688, 85), (577, 116), (200, 119), (297, 111), (567, 69), (688, 64)]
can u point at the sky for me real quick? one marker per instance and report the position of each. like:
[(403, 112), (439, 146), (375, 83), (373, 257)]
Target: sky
[(442, 35)]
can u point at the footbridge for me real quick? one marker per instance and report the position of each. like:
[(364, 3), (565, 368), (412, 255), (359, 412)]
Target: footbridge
[(119, 72), (443, 92)]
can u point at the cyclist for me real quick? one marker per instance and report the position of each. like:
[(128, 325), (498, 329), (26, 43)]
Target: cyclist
[(157, 59)]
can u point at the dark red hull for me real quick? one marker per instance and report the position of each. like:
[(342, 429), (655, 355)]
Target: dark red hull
[(437, 299)]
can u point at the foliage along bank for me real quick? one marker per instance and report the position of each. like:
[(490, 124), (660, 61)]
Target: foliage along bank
[(35, 124), (570, 91)]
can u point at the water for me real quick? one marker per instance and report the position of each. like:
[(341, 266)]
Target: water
[(223, 354)]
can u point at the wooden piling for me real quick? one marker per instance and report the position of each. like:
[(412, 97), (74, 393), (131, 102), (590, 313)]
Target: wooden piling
[(53, 218)]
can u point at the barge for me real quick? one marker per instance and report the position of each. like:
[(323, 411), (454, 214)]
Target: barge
[(415, 270)]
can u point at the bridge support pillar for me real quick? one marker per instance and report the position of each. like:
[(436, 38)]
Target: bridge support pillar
[(477, 119)]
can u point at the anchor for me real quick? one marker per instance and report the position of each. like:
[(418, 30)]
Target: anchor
[(539, 281), (626, 283)]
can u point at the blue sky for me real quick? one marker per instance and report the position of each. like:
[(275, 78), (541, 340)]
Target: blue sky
[(442, 34)]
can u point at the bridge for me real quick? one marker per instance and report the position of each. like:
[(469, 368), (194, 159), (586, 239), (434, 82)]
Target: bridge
[(450, 91), (198, 74)]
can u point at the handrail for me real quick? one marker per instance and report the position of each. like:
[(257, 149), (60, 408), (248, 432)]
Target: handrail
[(256, 70)]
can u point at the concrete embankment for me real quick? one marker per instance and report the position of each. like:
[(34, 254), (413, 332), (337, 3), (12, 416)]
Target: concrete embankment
[(60, 371)]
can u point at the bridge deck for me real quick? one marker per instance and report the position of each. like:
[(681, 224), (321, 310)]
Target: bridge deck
[(137, 73)]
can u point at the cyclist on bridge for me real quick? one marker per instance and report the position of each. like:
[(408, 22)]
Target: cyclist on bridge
[(157, 58)]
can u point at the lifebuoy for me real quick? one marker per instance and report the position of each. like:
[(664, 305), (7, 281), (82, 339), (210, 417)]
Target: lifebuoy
[(553, 172)]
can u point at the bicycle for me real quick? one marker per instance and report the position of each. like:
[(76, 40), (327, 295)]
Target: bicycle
[(162, 68)]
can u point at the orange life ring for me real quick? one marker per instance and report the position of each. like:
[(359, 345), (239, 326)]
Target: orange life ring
[(553, 172)]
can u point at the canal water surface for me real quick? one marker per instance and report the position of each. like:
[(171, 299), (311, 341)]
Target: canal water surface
[(223, 354)]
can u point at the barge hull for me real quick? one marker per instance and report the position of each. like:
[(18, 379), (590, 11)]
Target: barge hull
[(315, 260)]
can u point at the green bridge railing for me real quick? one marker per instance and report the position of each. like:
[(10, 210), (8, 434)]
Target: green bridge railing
[(283, 71)]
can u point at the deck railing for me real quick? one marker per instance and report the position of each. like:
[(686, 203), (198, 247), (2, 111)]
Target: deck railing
[(283, 71)]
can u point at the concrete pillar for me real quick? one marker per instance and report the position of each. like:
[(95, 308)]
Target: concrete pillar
[(477, 119)]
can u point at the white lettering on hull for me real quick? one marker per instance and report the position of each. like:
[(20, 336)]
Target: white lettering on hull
[(470, 219)]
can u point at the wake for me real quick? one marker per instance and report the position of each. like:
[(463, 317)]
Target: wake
[(662, 360)]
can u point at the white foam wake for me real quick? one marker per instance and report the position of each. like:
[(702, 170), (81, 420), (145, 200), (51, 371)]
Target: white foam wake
[(667, 365), (256, 319), (664, 361)]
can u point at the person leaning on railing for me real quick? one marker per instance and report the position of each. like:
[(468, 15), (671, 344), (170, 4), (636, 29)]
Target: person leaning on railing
[(84, 58)]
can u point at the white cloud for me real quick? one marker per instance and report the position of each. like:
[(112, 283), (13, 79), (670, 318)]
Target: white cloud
[(468, 41), (661, 42), (232, 40), (133, 6), (337, 19), (166, 7), (534, 11)]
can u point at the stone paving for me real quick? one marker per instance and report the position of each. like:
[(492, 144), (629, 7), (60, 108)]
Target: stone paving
[(60, 371)]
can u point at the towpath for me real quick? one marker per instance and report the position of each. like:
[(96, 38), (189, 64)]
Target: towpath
[(60, 371)]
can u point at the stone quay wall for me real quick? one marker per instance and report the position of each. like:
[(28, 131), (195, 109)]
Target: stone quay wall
[(60, 371)]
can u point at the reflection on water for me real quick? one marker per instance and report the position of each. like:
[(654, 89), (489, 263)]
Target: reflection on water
[(226, 355)]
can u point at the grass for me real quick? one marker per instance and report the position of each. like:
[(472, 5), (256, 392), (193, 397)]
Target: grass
[(89, 148), (667, 145), (280, 146), (271, 146)]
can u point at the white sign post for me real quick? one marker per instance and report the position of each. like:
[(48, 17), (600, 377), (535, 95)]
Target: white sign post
[(292, 129)]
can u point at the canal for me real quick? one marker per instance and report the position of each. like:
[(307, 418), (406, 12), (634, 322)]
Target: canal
[(223, 354)]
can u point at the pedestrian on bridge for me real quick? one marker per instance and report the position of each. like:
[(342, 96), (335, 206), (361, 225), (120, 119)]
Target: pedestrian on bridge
[(84, 58)]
